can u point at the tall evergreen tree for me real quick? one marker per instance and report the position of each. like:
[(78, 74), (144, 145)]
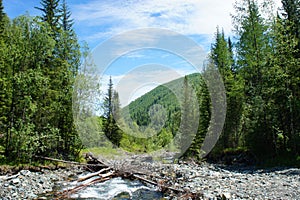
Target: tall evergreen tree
[(109, 100), (51, 13), (284, 69), (291, 12), (111, 107), (252, 53), (204, 119), (66, 21), (186, 117), (222, 56), (116, 106), (2, 17)]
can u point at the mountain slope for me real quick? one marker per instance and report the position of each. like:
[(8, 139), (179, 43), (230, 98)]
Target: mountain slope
[(169, 97)]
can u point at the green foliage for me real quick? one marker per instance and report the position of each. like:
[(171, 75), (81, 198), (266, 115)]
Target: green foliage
[(36, 84), (111, 114), (66, 21), (222, 58), (166, 112), (51, 13), (261, 77), (2, 18)]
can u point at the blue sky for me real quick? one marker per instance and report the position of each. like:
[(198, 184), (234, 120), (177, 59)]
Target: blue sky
[(97, 21)]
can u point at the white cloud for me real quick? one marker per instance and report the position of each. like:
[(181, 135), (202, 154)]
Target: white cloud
[(187, 17), (108, 18)]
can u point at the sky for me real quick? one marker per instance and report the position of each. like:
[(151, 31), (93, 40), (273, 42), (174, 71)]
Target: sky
[(136, 36)]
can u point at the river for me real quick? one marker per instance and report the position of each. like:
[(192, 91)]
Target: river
[(117, 189)]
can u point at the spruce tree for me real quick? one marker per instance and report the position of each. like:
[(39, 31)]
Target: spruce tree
[(222, 57), (291, 14), (51, 13), (284, 65), (2, 17), (252, 53), (111, 109), (66, 21)]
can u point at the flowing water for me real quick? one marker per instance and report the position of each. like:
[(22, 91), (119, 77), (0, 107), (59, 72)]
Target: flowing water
[(118, 189)]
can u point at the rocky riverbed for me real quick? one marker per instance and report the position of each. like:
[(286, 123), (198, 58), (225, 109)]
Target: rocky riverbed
[(220, 182), (212, 181), (34, 185)]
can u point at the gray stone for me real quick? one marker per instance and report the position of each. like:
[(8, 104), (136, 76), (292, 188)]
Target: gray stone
[(226, 195), (25, 172), (16, 181)]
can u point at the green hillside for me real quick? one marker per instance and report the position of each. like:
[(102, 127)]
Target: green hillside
[(168, 95), (160, 114)]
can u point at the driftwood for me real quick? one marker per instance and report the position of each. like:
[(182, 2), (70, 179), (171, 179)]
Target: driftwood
[(6, 178), (72, 162), (99, 173), (107, 171)]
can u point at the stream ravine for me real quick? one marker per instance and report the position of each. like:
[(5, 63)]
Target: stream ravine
[(213, 181)]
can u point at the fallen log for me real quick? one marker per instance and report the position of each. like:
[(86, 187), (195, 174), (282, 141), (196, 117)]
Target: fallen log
[(90, 175), (71, 162), (66, 193), (110, 170)]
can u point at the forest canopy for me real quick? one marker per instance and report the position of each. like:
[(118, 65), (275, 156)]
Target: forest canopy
[(41, 61)]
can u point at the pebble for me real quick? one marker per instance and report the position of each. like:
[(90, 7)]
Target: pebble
[(33, 185), (219, 182), (212, 181)]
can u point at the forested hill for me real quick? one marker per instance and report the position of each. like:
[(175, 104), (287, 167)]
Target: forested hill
[(167, 112), (167, 95)]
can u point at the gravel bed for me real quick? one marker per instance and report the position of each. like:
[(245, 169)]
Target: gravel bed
[(32, 185), (213, 181), (218, 182)]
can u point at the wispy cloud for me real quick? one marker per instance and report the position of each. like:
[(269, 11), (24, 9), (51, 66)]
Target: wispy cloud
[(105, 20), (187, 17)]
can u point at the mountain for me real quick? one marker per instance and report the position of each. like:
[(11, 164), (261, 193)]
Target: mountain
[(165, 101)]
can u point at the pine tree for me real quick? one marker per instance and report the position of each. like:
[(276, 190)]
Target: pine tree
[(2, 17), (222, 56), (290, 33), (291, 13), (284, 74), (116, 106), (111, 107), (189, 124), (252, 53), (204, 118), (108, 100), (51, 13), (66, 21)]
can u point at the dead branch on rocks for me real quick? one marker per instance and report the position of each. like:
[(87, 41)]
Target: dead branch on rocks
[(99, 164), (103, 171), (98, 173)]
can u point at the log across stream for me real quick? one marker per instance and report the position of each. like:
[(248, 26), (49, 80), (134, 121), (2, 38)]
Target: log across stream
[(184, 180), (128, 179)]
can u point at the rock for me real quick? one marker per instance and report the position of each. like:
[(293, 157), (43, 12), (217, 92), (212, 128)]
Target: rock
[(16, 181), (25, 172), (226, 195), (292, 171), (42, 198)]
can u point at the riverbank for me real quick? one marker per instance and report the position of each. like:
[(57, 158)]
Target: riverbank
[(35, 183), (209, 180), (225, 182)]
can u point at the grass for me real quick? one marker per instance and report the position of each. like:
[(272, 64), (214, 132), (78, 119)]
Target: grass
[(106, 152)]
